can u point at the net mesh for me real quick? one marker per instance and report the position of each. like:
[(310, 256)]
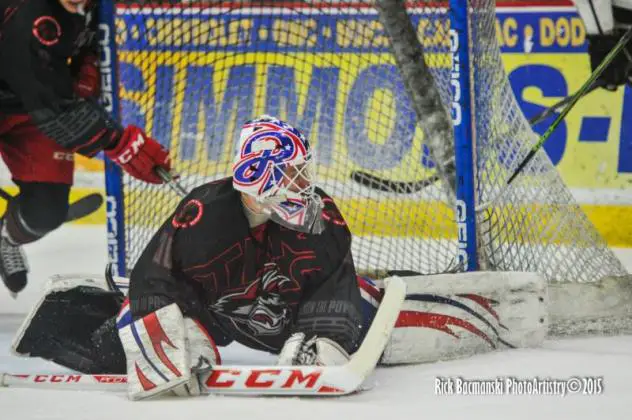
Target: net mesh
[(191, 74), (534, 224)]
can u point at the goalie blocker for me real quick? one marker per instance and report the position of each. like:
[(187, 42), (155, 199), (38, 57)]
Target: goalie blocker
[(443, 317)]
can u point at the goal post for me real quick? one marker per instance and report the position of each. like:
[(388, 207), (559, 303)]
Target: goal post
[(464, 140), (108, 66), (403, 91)]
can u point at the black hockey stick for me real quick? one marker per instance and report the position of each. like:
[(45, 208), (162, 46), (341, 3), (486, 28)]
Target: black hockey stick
[(410, 187), (83, 207)]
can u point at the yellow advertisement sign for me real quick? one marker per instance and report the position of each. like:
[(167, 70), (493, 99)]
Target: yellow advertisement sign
[(543, 50)]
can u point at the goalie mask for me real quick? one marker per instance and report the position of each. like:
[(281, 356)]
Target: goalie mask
[(274, 165)]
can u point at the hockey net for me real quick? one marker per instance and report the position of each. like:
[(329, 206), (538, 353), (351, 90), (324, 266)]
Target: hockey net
[(191, 74)]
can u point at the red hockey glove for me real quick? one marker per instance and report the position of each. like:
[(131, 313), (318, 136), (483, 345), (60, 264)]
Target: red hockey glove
[(87, 80), (139, 155)]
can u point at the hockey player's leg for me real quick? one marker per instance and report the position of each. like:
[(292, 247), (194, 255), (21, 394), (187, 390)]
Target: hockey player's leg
[(455, 315), (329, 325), (43, 171), (73, 325), (36, 211)]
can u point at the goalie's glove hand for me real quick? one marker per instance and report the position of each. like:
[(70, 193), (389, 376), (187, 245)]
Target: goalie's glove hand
[(139, 155), (202, 355), (165, 352), (310, 351), (619, 72)]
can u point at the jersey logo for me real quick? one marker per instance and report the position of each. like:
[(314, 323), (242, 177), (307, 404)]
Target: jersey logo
[(260, 305), (189, 215), (47, 30)]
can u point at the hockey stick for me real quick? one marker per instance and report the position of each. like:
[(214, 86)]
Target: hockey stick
[(583, 90), (411, 187), (261, 380), (83, 207), (172, 181)]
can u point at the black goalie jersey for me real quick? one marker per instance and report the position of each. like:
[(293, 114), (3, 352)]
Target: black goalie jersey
[(256, 286)]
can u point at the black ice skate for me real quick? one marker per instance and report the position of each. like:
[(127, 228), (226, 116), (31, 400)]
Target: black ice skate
[(13, 265)]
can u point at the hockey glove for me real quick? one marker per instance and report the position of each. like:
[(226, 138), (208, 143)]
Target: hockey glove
[(87, 79), (165, 352), (619, 72), (313, 351), (139, 155)]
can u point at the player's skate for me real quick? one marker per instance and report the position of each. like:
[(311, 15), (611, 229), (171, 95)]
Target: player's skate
[(13, 265)]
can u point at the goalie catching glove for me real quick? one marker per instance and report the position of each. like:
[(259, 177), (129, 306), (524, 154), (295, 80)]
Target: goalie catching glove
[(165, 352)]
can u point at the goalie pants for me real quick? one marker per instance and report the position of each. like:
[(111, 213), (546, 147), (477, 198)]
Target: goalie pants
[(43, 171)]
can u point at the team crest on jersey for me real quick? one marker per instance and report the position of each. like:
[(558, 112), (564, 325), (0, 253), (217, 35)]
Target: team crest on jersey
[(189, 215), (47, 30), (260, 306)]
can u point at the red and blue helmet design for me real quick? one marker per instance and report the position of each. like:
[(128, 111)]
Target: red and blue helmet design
[(273, 164)]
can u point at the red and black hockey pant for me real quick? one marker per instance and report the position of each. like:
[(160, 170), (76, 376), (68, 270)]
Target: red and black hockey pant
[(43, 171)]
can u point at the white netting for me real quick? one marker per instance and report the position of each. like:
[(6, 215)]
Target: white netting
[(534, 224), (191, 74)]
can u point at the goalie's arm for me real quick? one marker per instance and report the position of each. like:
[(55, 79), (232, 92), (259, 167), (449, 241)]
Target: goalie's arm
[(166, 334), (329, 321)]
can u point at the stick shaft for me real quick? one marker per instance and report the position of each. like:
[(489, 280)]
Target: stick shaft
[(574, 99)]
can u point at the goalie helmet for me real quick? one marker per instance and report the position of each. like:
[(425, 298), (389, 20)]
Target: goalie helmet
[(274, 165)]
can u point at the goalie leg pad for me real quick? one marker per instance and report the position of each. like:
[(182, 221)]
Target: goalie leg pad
[(62, 324), (455, 315)]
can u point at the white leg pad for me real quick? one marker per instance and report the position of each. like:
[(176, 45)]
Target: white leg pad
[(454, 315)]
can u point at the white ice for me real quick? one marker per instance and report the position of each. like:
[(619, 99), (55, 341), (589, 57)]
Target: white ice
[(397, 393)]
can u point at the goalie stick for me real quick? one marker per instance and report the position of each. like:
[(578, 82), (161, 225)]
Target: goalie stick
[(261, 380), (83, 207), (410, 187)]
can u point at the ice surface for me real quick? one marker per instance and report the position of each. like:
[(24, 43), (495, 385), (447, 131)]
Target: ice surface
[(398, 393)]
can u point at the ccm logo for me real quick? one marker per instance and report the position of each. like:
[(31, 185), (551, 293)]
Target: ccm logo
[(262, 379), (64, 156), (57, 378), (111, 379), (132, 150)]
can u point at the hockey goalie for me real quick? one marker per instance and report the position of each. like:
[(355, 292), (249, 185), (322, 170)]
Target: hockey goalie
[(263, 258)]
